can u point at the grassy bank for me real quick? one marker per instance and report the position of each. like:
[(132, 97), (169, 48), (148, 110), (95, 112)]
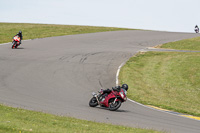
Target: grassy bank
[(22, 121), (168, 80), (31, 31), (188, 44)]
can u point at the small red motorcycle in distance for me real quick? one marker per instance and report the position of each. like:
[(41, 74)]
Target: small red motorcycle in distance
[(15, 42), (112, 101)]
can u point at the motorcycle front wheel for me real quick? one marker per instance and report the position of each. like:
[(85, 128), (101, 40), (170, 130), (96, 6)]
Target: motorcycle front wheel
[(114, 106), (93, 102), (13, 45)]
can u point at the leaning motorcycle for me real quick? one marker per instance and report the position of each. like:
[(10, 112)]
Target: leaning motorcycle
[(112, 101), (15, 42)]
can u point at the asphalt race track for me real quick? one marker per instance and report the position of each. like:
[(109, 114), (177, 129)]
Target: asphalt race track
[(58, 74)]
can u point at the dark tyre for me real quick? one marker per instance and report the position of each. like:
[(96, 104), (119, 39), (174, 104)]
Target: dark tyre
[(114, 106), (13, 45), (93, 102)]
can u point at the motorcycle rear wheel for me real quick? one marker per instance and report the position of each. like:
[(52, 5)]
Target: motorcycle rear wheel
[(93, 102), (114, 106)]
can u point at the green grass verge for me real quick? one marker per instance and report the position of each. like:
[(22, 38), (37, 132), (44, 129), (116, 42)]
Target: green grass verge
[(168, 80), (22, 121), (187, 44), (32, 31)]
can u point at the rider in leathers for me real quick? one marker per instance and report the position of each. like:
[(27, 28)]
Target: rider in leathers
[(20, 35)]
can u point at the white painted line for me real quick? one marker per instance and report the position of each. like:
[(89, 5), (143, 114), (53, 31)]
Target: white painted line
[(117, 75)]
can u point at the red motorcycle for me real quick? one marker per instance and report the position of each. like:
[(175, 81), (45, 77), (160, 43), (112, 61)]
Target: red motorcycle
[(15, 42), (112, 101)]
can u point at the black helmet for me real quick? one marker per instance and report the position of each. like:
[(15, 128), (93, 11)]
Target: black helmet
[(20, 32), (125, 86)]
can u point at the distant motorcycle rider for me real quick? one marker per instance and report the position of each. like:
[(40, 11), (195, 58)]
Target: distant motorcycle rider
[(196, 29), (20, 35)]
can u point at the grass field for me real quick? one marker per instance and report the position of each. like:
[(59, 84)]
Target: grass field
[(32, 31), (168, 80), (15, 120), (188, 44)]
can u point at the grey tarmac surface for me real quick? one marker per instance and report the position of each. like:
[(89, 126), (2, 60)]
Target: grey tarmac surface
[(57, 75)]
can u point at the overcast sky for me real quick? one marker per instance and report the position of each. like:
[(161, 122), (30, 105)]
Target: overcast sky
[(164, 15)]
